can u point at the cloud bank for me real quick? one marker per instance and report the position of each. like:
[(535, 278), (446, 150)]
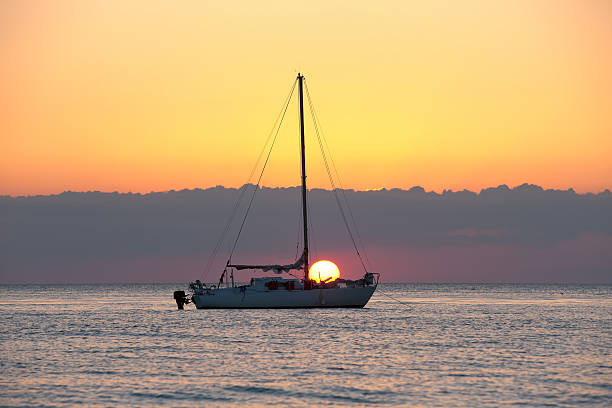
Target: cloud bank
[(501, 234)]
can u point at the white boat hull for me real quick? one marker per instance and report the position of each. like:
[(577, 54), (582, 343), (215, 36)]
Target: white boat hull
[(246, 297)]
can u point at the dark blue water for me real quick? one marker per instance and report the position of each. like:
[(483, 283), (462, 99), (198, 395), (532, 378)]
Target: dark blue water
[(449, 345)]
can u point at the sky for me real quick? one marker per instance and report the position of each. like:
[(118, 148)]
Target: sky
[(157, 95)]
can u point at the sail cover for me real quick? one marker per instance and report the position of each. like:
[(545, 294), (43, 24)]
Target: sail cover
[(299, 264)]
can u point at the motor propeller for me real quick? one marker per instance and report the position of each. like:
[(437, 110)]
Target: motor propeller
[(181, 298)]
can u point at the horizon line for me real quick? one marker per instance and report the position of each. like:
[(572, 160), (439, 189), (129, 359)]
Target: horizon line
[(388, 282)]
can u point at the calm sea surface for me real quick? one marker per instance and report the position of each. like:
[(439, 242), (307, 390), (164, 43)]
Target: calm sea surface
[(448, 345)]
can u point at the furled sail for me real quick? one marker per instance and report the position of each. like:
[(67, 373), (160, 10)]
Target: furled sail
[(299, 264)]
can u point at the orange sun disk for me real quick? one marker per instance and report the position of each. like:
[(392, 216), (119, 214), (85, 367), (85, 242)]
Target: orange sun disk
[(323, 271)]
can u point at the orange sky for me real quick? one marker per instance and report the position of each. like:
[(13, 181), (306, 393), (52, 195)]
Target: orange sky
[(157, 95)]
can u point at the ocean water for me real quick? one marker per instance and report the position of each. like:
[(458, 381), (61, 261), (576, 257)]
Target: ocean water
[(445, 345)]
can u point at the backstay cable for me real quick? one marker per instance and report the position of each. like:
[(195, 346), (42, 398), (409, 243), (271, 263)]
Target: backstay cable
[(261, 174), (245, 186)]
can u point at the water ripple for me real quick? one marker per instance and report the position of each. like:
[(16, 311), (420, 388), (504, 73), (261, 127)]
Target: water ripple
[(452, 346)]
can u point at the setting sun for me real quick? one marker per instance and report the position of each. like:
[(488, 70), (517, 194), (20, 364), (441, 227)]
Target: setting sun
[(323, 271)]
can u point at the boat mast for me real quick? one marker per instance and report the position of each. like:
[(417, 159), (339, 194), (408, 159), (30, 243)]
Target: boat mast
[(307, 284)]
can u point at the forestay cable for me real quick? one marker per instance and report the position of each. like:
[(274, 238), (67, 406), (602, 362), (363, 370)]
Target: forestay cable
[(342, 189), (331, 180), (343, 192)]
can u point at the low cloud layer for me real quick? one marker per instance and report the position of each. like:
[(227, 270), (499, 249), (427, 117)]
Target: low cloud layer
[(523, 234)]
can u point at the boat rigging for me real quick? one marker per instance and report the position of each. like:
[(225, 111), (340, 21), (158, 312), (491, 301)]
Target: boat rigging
[(274, 292)]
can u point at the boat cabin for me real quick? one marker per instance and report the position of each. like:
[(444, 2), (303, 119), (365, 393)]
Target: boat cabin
[(273, 283)]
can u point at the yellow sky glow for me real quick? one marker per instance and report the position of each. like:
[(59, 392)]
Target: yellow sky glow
[(157, 95)]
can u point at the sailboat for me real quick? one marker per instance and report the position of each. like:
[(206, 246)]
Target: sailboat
[(277, 292)]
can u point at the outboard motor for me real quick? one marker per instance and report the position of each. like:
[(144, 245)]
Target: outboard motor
[(181, 298)]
